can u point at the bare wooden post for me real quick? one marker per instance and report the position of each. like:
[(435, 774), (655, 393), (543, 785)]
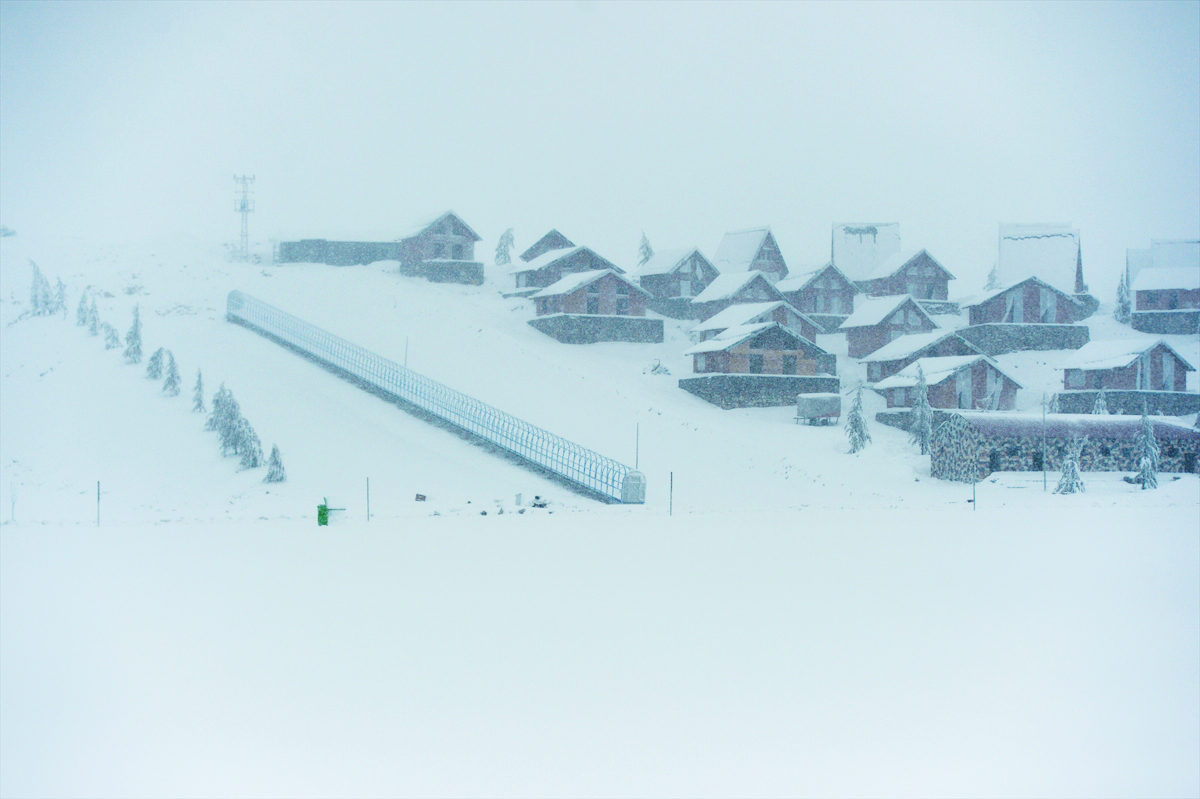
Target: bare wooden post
[(368, 499), (671, 505), (97, 503)]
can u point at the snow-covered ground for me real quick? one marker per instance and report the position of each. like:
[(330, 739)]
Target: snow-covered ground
[(793, 620)]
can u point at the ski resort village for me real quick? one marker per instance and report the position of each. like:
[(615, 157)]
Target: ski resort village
[(599, 399)]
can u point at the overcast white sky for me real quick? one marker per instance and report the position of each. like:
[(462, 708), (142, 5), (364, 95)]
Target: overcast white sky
[(685, 120)]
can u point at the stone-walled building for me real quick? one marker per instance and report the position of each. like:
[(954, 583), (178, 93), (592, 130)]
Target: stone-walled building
[(918, 274), (1166, 300), (442, 250), (551, 241), (550, 267), (673, 278), (601, 305), (757, 313), (826, 295), (750, 250), (968, 446), (879, 320), (970, 382), (1124, 364), (894, 356), (735, 289), (1031, 301)]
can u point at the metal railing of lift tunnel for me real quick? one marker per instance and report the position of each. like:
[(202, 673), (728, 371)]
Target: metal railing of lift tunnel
[(582, 467)]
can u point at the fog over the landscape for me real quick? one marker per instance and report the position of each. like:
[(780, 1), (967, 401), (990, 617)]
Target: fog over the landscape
[(684, 120)]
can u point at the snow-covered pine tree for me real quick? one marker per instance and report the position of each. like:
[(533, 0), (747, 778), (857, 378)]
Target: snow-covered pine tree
[(228, 426), (1053, 405), (41, 301), (81, 313), (1123, 311), (1071, 482), (171, 384), (154, 366), (60, 297), (504, 247), (214, 417), (993, 280), (275, 470), (198, 394), (133, 339), (856, 424), (112, 339), (1146, 448), (1101, 406), (250, 446), (921, 416), (645, 251), (93, 319)]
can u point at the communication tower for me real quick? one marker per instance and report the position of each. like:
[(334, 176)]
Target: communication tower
[(244, 205)]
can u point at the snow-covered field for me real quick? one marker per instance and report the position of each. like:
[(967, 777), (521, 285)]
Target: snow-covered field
[(793, 620)]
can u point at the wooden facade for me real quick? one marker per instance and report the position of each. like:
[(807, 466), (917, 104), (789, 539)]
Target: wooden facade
[(933, 345), (905, 318), (825, 291), (551, 241), (447, 238), (677, 274), (1032, 301), (754, 249), (734, 289), (978, 384), (606, 293), (919, 275), (1158, 368), (757, 313), (548, 268), (767, 349)]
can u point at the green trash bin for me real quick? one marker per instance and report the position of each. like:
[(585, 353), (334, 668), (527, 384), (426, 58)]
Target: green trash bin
[(322, 515)]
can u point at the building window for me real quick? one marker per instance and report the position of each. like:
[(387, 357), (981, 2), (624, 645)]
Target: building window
[(1037, 461), (874, 370), (701, 363), (439, 249), (1074, 378), (789, 364), (459, 251), (623, 304), (756, 364), (994, 461), (593, 299)]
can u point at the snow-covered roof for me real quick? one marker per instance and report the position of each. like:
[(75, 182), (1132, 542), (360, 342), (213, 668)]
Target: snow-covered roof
[(1116, 354), (740, 314), (1070, 425), (725, 286), (547, 258), (730, 338), (1168, 277), (577, 280), (979, 299), (1050, 252), (859, 248), (552, 235), (420, 227), (874, 310), (1175, 254), (798, 280), (664, 262), (895, 262), (738, 249), (937, 370), (912, 343)]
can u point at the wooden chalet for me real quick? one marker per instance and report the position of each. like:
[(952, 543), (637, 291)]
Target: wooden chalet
[(972, 382), (825, 293), (550, 267), (600, 291), (1167, 300), (1132, 365), (880, 320), (895, 355), (968, 446), (766, 348), (1031, 301), (750, 250), (734, 289), (671, 274), (442, 250), (551, 241), (757, 313), (917, 274)]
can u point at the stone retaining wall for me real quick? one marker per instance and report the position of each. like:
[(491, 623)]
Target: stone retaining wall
[(591, 328), (757, 391), (998, 338)]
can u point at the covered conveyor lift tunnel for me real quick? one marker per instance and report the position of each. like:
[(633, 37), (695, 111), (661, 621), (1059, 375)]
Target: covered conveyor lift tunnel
[(579, 468)]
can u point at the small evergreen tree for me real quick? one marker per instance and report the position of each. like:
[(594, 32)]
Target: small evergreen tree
[(1146, 448), (993, 280), (198, 394), (112, 339), (133, 340), (93, 319), (249, 446), (275, 471), (503, 248), (81, 313), (856, 424), (171, 384), (214, 418), (228, 426), (154, 366), (41, 299), (1053, 405), (1123, 311), (921, 416), (645, 251), (1071, 482), (60, 297), (1101, 407)]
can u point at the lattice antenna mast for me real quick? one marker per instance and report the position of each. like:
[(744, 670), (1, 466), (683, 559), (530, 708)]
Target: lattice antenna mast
[(244, 205)]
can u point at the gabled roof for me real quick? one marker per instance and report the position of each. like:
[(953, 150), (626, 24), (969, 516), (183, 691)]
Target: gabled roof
[(734, 336), (664, 262), (912, 344), (798, 281), (577, 280), (858, 248), (739, 248), (741, 314), (1167, 277), (420, 228), (1050, 252), (1116, 354), (725, 286), (980, 299), (548, 258), (556, 240), (937, 370), (1064, 425), (897, 261), (874, 310)]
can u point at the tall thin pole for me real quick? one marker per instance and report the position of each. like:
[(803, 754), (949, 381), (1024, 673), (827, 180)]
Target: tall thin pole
[(637, 442), (97, 503), (671, 506), (368, 499), (1043, 440)]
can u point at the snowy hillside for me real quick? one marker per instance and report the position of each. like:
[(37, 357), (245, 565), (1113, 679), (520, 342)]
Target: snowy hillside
[(804, 621)]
